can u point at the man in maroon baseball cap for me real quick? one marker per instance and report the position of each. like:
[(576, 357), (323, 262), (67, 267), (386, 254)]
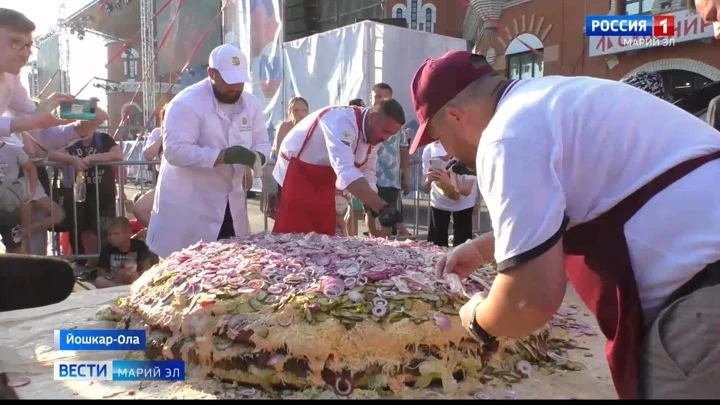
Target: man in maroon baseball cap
[(579, 176)]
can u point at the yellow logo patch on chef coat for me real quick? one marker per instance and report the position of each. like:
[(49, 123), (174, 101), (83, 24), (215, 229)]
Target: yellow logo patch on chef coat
[(346, 138), (244, 121), (235, 61)]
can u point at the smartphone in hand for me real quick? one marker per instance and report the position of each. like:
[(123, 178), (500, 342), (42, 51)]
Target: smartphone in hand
[(85, 110), (437, 163)]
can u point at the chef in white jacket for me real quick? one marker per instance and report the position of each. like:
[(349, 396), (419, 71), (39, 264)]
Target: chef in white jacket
[(213, 131), (333, 149)]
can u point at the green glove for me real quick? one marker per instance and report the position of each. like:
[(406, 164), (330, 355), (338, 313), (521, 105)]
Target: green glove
[(240, 155)]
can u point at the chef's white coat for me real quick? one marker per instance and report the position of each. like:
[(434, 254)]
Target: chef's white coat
[(337, 141), (191, 194), (15, 102)]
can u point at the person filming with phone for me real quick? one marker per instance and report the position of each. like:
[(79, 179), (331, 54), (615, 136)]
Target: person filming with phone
[(451, 196), (18, 112)]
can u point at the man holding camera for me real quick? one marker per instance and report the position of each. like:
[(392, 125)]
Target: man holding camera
[(18, 112)]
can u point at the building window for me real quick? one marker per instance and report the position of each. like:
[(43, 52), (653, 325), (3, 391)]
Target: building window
[(428, 19), (131, 60), (633, 7), (133, 121), (398, 13), (680, 83), (413, 14), (525, 65)]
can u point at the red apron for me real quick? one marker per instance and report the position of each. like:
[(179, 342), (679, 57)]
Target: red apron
[(308, 191), (597, 263)]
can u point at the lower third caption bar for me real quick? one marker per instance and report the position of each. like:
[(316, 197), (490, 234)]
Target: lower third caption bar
[(100, 339), (120, 370)]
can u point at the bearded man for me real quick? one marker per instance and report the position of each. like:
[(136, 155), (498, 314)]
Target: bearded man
[(213, 134)]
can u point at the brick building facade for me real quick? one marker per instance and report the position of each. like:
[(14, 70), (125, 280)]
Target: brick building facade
[(441, 17), (126, 70), (124, 90), (546, 37)]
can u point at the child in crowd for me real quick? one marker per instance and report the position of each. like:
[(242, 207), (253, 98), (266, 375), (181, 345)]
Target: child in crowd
[(123, 259), (15, 196), (40, 202), (137, 228)]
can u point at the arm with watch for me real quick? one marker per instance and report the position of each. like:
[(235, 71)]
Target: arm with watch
[(517, 304)]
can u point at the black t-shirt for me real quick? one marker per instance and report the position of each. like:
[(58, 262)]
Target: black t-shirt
[(112, 259), (101, 143)]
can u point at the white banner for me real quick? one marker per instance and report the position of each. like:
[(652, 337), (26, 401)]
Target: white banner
[(256, 27), (688, 27), (337, 66)]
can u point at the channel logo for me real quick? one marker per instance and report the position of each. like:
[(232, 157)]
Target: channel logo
[(119, 370), (658, 26)]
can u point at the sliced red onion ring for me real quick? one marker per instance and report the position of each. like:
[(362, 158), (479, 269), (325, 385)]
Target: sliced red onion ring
[(481, 395), (524, 367), (379, 311), (454, 283), (389, 294), (255, 268), (415, 367), (321, 259), (557, 358), (19, 382), (278, 278), (278, 289), (332, 293), (273, 360), (362, 280), (350, 282), (193, 289), (432, 297), (343, 386), (387, 283), (295, 279), (248, 392), (380, 302), (286, 321), (356, 296), (256, 284), (442, 321), (349, 272)]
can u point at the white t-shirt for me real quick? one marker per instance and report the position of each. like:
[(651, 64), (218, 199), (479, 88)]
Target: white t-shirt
[(437, 199), (154, 136), (337, 141), (563, 150)]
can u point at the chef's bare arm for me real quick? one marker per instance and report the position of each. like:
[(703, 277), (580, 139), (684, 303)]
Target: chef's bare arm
[(341, 136), (180, 139), (531, 282), (361, 189)]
